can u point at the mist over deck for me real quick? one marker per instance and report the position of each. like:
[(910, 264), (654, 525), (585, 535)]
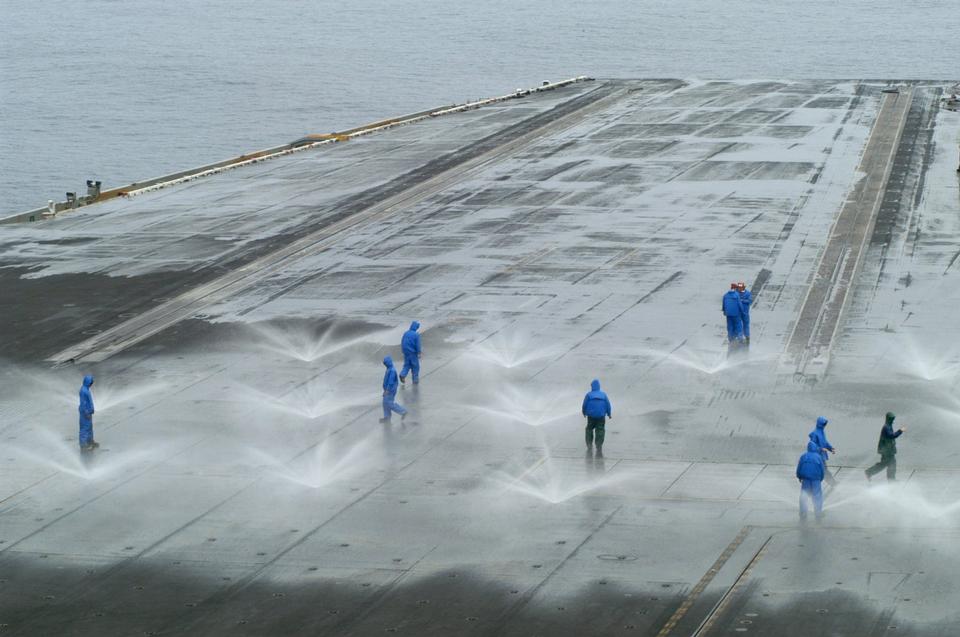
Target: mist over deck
[(236, 325)]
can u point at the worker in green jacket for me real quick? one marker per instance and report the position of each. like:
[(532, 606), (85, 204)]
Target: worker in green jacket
[(887, 448)]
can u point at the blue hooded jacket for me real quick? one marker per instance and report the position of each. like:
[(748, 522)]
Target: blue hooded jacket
[(410, 343), (745, 300), (86, 399), (390, 382), (595, 403), (819, 436), (810, 466), (731, 303)]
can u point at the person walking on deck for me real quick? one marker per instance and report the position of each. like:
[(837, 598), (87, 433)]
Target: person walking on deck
[(596, 408), (887, 448)]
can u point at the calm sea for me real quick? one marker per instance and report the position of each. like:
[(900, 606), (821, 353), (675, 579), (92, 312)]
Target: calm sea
[(127, 89)]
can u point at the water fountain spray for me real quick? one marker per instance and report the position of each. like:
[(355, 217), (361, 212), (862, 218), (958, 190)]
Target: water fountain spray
[(47, 448), (508, 351), (539, 409), (308, 343), (310, 400), (328, 463)]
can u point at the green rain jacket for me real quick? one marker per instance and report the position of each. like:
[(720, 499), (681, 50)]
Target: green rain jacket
[(887, 446)]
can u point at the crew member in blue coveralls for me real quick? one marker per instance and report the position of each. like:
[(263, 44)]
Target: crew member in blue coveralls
[(732, 309), (390, 385), (810, 474), (87, 443), (819, 437), (745, 300), (596, 407), (410, 344)]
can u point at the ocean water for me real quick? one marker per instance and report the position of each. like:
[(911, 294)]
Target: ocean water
[(121, 90)]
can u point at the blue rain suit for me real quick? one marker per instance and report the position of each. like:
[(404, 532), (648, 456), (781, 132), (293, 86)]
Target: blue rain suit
[(86, 412), (745, 300), (810, 473), (596, 407), (390, 384), (734, 313), (819, 437), (410, 344), (595, 403)]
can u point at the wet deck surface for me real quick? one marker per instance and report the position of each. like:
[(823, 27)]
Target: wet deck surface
[(245, 487)]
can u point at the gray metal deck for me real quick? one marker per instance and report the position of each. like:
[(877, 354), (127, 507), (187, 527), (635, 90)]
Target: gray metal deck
[(236, 325)]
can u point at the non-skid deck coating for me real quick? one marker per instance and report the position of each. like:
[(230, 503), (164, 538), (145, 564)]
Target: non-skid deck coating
[(245, 487)]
